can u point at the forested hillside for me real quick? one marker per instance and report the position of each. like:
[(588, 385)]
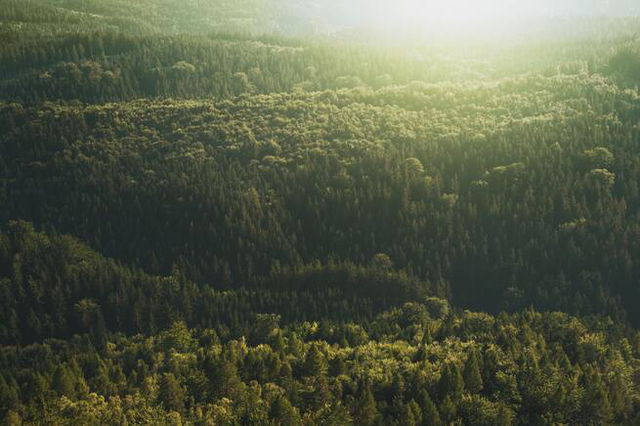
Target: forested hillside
[(426, 174), (216, 212), (354, 346)]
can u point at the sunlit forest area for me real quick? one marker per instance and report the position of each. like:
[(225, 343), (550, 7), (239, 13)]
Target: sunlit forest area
[(291, 212)]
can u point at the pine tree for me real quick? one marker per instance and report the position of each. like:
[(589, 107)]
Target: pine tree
[(8, 394), (448, 410), (421, 354), (471, 374), (321, 393), (315, 363), (596, 408), (505, 416), (451, 382), (12, 418), (337, 367), (416, 411), (407, 418), (171, 393), (366, 410), (398, 386), (333, 414), (63, 382), (430, 414), (283, 413)]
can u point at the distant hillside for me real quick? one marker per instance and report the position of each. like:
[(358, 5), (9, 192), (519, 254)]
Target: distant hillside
[(138, 17), (512, 193)]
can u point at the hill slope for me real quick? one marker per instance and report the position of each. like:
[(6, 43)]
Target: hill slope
[(252, 212)]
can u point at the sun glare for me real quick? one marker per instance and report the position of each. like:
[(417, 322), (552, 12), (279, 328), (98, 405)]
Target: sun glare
[(465, 10), (451, 15)]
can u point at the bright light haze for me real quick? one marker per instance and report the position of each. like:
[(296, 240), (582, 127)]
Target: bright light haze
[(459, 16)]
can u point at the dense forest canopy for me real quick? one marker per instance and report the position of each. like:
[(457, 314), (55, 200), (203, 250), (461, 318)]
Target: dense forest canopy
[(293, 212)]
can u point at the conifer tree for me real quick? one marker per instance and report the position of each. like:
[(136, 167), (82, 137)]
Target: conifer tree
[(366, 410), (430, 414), (63, 381), (315, 363), (451, 382), (283, 413), (471, 374), (171, 393)]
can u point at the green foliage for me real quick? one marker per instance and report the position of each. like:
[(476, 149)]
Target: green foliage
[(603, 176), (382, 262), (315, 363), (451, 383), (430, 414), (624, 64), (442, 233), (471, 374), (598, 157), (366, 410), (284, 413), (525, 380), (178, 338), (170, 393), (63, 382), (273, 230)]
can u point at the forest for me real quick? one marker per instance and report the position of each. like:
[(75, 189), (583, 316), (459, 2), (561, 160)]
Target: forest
[(236, 213)]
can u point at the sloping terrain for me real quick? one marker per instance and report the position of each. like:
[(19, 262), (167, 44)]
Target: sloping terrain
[(250, 212)]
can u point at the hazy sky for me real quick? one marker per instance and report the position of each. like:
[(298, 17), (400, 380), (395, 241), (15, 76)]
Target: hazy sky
[(487, 7), (447, 15), (367, 10)]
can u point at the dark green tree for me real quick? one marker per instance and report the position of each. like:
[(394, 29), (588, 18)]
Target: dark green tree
[(471, 373), (366, 410), (171, 393)]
